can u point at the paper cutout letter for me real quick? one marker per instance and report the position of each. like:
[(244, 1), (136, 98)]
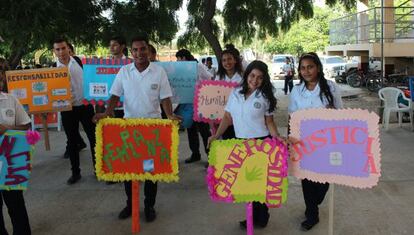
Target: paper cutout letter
[(137, 149), (336, 146), (247, 171), (210, 99)]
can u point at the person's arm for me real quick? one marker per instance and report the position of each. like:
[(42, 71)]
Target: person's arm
[(4, 128), (224, 124), (271, 126), (109, 112), (167, 106)]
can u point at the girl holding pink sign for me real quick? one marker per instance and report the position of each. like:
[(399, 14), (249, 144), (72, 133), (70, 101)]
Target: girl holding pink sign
[(313, 91), (229, 70)]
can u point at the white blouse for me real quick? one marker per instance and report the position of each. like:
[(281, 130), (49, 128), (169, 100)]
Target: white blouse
[(302, 98), (248, 114), (236, 78)]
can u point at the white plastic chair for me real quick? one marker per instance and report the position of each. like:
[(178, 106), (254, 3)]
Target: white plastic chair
[(390, 97)]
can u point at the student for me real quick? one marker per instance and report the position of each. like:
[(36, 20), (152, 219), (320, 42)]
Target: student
[(230, 67), (79, 113), (229, 70), (152, 82), (16, 119), (81, 142), (313, 91), (243, 62), (289, 72), (152, 53), (118, 48), (250, 108), (196, 127), (210, 68)]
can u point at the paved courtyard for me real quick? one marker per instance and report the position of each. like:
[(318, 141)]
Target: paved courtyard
[(92, 207)]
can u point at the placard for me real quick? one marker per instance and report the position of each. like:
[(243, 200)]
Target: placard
[(99, 75), (41, 90), (16, 150), (182, 76), (336, 146), (136, 149), (210, 99), (248, 171)]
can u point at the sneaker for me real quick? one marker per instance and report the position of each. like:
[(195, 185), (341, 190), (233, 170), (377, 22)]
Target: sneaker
[(73, 179), (125, 213), (150, 214), (308, 224)]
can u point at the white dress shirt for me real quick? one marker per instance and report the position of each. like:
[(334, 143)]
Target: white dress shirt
[(76, 80), (142, 91)]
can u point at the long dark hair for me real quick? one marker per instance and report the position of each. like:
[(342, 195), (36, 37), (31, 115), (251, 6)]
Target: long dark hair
[(266, 89), (4, 66), (237, 67), (323, 83)]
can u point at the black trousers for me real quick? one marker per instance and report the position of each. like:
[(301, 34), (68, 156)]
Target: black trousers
[(70, 121), (313, 193), (17, 210), (229, 133), (150, 193), (288, 83), (192, 133)]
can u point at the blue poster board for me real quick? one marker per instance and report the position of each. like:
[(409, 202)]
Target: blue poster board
[(15, 160), (411, 81), (99, 74), (182, 76)]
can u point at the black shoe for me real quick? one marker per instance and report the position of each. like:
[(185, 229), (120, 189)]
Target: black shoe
[(308, 224), (81, 146), (206, 165), (73, 179), (150, 214), (66, 154), (110, 183), (125, 213), (193, 159), (243, 224)]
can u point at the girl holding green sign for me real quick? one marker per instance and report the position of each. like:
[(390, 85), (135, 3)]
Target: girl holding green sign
[(250, 109)]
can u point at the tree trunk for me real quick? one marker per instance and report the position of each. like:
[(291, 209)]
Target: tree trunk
[(15, 57), (206, 29)]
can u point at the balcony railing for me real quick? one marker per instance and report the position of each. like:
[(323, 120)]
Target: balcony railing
[(365, 26)]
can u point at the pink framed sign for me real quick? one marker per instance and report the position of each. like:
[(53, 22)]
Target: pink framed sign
[(210, 99), (336, 146)]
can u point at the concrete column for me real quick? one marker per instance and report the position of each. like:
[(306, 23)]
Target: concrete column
[(389, 26), (363, 20)]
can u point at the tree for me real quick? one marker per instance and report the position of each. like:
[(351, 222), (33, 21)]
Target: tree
[(157, 19), (245, 19), (27, 25), (305, 35)]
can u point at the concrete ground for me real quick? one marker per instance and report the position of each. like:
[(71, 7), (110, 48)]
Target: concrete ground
[(92, 207)]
